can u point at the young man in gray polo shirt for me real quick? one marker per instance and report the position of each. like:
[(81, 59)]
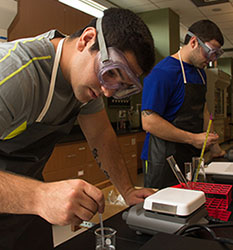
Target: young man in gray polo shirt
[(46, 83)]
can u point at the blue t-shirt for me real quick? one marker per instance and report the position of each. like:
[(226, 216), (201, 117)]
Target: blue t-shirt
[(163, 90)]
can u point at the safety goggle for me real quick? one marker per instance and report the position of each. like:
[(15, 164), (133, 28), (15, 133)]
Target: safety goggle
[(210, 53), (113, 70)]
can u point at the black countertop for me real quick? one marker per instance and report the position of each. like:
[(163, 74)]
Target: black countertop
[(127, 239)]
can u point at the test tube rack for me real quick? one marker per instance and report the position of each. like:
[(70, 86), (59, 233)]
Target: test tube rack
[(218, 198)]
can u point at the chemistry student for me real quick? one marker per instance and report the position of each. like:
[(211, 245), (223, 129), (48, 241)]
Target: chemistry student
[(174, 110), (46, 83)]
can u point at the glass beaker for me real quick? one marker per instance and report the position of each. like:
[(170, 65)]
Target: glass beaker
[(107, 240), (200, 176)]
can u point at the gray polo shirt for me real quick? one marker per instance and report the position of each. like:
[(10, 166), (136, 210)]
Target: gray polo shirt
[(25, 72)]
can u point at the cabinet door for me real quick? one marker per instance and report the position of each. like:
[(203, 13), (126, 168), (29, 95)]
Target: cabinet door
[(131, 163), (75, 160), (79, 172), (127, 143), (67, 161), (66, 155), (140, 142), (95, 174)]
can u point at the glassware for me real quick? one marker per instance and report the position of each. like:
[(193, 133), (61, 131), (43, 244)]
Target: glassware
[(201, 171), (105, 240)]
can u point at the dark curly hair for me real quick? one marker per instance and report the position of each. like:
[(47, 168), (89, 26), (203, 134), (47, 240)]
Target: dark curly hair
[(126, 31)]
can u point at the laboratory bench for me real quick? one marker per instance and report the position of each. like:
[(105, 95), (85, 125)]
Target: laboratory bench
[(128, 239), (131, 143)]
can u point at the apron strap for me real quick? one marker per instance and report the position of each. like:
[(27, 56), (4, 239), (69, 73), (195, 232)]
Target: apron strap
[(203, 80), (52, 81), (182, 67), (183, 72)]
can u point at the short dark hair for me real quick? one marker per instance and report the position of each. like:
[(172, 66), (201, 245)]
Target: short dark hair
[(126, 31), (206, 30)]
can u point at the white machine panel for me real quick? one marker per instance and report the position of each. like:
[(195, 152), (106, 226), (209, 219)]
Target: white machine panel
[(220, 168), (176, 201)]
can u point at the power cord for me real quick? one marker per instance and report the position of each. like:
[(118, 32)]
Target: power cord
[(213, 220), (195, 227), (186, 230)]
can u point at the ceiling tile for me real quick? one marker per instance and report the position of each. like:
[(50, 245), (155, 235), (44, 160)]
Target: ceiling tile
[(209, 10), (143, 8), (176, 4), (188, 13), (131, 4), (227, 31), (185, 9), (228, 38), (189, 20), (121, 3), (159, 1), (221, 18), (225, 25)]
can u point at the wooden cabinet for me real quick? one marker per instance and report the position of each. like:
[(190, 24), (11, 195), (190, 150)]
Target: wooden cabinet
[(140, 142), (75, 160), (72, 160), (128, 145), (68, 160), (36, 17)]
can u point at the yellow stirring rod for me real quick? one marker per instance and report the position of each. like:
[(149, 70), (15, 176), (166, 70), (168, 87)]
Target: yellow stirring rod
[(203, 149)]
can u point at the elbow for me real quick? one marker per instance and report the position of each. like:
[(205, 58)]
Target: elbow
[(145, 126)]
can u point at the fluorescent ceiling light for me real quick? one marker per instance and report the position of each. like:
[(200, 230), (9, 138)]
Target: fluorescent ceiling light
[(88, 6)]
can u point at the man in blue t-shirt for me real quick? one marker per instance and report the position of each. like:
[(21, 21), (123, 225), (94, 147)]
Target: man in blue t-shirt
[(174, 110)]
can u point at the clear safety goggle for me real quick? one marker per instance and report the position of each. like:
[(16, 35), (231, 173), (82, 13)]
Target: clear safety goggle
[(113, 70), (210, 53)]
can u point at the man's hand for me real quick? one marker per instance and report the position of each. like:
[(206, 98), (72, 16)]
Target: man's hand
[(68, 202), (199, 139), (216, 151), (135, 196)]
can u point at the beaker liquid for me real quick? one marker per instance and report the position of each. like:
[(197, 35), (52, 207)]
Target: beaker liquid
[(107, 241)]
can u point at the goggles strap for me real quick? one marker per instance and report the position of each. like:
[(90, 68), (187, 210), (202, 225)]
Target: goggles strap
[(190, 33), (199, 40), (100, 37)]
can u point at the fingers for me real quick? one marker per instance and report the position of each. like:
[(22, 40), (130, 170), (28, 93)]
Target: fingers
[(95, 194), (85, 212), (70, 201), (213, 136), (76, 221), (86, 200), (200, 139), (138, 195), (212, 139)]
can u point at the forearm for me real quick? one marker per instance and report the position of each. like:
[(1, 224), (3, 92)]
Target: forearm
[(108, 156), (163, 129), (61, 203), (17, 194), (105, 148)]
